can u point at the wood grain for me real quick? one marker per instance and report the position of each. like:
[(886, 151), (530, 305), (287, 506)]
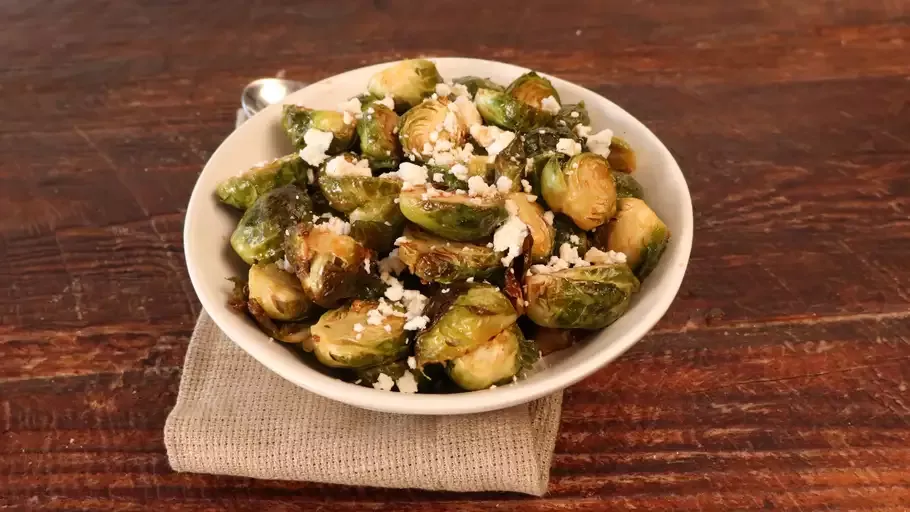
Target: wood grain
[(777, 381)]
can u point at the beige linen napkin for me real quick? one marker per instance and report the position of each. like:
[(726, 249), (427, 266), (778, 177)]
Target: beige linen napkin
[(235, 417)]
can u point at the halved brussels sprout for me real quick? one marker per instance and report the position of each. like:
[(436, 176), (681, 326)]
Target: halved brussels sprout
[(581, 297), (394, 371), (297, 119), (472, 83), (343, 338), (570, 116), (260, 233), (377, 131), (636, 232), (329, 265), (471, 320), (583, 189), (347, 193), (506, 111), (497, 361), (510, 162), (542, 233), (568, 233), (407, 82), (243, 190), (531, 89), (627, 186), (288, 332), (278, 292), (377, 223), (622, 157), (456, 217), (426, 124), (432, 258)]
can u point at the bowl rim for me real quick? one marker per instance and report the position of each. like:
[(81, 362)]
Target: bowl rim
[(460, 403)]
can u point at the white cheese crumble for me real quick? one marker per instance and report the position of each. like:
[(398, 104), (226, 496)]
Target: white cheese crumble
[(568, 146), (310, 176), (352, 106), (384, 382), (437, 177), (595, 256), (467, 111), (492, 138), (366, 265), (548, 217), (335, 225), (549, 105), (526, 186), (407, 383), (359, 327), (347, 117), (459, 171), (573, 114), (450, 124), (510, 236), (583, 131), (460, 90), (391, 264), (504, 184), (479, 188), (340, 166), (387, 327), (574, 239), (599, 143), (412, 362), (411, 175), (469, 280), (388, 101), (443, 90), (317, 143)]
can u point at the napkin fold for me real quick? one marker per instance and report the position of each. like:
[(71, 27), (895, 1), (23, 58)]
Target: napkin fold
[(235, 417)]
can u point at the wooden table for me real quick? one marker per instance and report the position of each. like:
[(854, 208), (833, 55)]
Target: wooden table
[(778, 380)]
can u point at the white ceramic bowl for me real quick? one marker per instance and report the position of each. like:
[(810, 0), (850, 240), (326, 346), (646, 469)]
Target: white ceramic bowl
[(210, 259)]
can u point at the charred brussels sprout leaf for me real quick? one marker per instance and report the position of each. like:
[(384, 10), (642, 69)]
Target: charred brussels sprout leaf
[(378, 136), (260, 234), (583, 189), (636, 232), (394, 370), (407, 82), (278, 292), (506, 111), (570, 116), (531, 89), (329, 265), (568, 233), (297, 119), (432, 258), (472, 319), (340, 343), (377, 223), (497, 361), (580, 298), (510, 163), (542, 233), (347, 193), (473, 83), (627, 186), (243, 190), (427, 125), (456, 217), (622, 157)]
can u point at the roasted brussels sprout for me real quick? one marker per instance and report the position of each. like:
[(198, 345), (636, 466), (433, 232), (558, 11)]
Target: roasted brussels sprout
[(506, 111), (568, 233), (407, 82), (394, 372), (260, 234), (428, 125), (288, 332), (472, 83), (456, 217), (343, 338), (436, 259), (329, 265), (570, 116), (627, 186), (583, 189), (590, 297), (470, 321), (497, 361), (532, 89), (377, 130), (278, 292), (622, 157), (636, 232), (241, 191), (297, 119), (510, 163), (377, 223), (542, 233), (347, 193)]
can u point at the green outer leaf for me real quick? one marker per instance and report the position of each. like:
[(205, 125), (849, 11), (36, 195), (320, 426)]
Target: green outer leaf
[(565, 123), (505, 111), (456, 218), (378, 138), (531, 88), (581, 297), (347, 193), (510, 162), (627, 186), (473, 83), (242, 191), (259, 236)]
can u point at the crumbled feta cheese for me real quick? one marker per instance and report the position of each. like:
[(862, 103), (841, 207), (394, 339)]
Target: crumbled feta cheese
[(340, 166), (336, 225), (492, 138), (437, 177), (416, 323), (352, 106), (574, 239), (387, 327), (504, 184), (467, 111), (568, 146), (569, 254), (510, 236), (317, 143), (573, 114), (389, 102), (412, 175), (548, 217), (374, 317), (347, 117), (459, 171), (395, 291), (359, 327), (384, 382), (432, 192), (310, 177), (597, 257), (460, 90), (550, 105), (443, 90), (599, 143), (526, 186), (407, 383), (445, 290), (583, 131), (469, 280), (479, 188), (412, 362), (366, 265), (450, 124)]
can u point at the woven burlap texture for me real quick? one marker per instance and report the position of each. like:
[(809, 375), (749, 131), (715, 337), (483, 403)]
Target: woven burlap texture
[(235, 417)]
